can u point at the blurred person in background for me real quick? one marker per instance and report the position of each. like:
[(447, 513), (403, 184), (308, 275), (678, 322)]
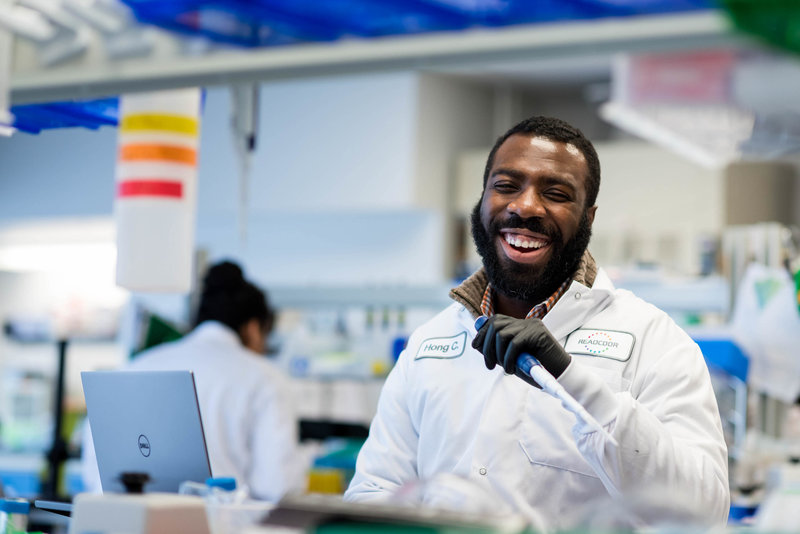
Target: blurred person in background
[(456, 402), (246, 404)]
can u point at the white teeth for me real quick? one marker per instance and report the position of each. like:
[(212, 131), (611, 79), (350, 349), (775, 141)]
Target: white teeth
[(519, 241)]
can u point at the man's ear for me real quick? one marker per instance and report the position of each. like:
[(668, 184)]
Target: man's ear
[(590, 214)]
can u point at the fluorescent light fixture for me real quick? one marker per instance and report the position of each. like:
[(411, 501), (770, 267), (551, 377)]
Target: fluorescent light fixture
[(708, 135), (74, 254), (61, 258)]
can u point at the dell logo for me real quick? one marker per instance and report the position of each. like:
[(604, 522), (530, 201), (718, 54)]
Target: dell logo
[(144, 445)]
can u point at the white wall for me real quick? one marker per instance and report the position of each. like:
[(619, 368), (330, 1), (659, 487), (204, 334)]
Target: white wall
[(332, 188), (333, 248), (655, 206), (453, 115), (58, 173), (334, 143)]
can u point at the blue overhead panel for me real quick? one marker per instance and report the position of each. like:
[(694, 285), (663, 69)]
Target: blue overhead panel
[(278, 22), (92, 114)]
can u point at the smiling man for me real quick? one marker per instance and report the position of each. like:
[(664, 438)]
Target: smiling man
[(454, 403)]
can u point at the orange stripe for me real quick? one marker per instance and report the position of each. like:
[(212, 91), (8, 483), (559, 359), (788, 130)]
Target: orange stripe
[(170, 153)]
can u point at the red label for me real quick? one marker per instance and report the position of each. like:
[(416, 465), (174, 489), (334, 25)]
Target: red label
[(692, 78), (150, 188)]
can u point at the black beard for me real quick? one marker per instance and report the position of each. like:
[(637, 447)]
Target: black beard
[(525, 282)]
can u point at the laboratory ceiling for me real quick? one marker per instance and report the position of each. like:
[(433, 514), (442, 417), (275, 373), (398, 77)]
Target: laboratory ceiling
[(547, 45), (528, 46)]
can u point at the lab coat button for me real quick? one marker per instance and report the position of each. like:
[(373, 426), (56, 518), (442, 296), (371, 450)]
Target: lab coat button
[(577, 296), (482, 470)]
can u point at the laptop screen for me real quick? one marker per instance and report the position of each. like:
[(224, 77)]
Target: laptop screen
[(146, 422)]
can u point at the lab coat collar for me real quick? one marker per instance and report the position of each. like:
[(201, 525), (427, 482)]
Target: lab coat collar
[(578, 304), (216, 331)]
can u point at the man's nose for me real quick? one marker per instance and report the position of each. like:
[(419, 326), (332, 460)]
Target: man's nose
[(527, 204)]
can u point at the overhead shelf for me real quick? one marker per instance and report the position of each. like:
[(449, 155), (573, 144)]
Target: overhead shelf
[(278, 22), (172, 63)]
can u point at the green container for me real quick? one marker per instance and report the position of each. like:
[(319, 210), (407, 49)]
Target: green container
[(797, 287), (775, 21)]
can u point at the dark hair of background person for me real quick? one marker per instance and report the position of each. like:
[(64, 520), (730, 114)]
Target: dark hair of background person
[(562, 132), (231, 300)]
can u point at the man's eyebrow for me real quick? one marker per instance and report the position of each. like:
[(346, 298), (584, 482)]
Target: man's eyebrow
[(511, 173)]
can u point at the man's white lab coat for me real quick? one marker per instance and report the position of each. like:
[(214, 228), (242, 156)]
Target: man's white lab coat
[(442, 411), (247, 410)]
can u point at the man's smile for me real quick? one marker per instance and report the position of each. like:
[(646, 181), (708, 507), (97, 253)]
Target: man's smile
[(523, 246)]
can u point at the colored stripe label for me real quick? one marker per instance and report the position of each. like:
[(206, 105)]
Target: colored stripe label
[(158, 152), (159, 122), (150, 188)]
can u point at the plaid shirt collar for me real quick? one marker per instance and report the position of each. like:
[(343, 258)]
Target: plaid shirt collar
[(538, 311)]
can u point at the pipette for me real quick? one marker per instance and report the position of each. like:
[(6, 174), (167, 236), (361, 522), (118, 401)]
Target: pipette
[(529, 365)]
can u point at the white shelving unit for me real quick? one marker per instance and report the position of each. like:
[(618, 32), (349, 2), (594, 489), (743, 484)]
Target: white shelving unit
[(172, 63)]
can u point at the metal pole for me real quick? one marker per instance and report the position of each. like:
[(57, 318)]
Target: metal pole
[(58, 450)]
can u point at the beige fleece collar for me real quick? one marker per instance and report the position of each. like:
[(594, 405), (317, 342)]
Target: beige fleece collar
[(471, 290)]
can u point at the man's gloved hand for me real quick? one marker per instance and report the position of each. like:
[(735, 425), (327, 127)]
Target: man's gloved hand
[(502, 339)]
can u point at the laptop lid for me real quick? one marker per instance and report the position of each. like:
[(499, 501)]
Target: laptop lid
[(146, 422)]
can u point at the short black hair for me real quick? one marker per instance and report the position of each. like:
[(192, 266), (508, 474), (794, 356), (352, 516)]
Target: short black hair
[(555, 130), (231, 300)]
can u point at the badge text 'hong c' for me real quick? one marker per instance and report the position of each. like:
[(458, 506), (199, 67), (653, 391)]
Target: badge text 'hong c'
[(442, 347)]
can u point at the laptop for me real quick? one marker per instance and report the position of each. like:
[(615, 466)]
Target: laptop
[(146, 422)]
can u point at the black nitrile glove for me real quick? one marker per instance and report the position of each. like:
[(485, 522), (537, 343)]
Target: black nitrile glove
[(502, 339)]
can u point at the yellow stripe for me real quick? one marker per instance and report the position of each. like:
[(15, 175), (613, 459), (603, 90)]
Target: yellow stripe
[(158, 122)]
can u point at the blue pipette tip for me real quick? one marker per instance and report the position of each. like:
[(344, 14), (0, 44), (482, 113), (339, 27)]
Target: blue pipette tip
[(525, 363)]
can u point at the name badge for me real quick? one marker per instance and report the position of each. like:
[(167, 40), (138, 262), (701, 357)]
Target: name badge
[(442, 347), (604, 343)]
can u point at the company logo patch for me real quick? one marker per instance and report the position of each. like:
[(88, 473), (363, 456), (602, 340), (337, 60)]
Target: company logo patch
[(144, 445), (442, 347), (604, 343)]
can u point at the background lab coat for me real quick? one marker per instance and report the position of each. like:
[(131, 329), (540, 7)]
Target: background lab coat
[(247, 410)]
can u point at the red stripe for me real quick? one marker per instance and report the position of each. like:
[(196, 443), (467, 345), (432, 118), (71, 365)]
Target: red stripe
[(150, 188)]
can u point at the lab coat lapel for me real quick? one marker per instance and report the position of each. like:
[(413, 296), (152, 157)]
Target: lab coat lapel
[(578, 304)]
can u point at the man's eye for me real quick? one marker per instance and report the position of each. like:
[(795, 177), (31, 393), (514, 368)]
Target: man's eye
[(558, 196), (504, 187)]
